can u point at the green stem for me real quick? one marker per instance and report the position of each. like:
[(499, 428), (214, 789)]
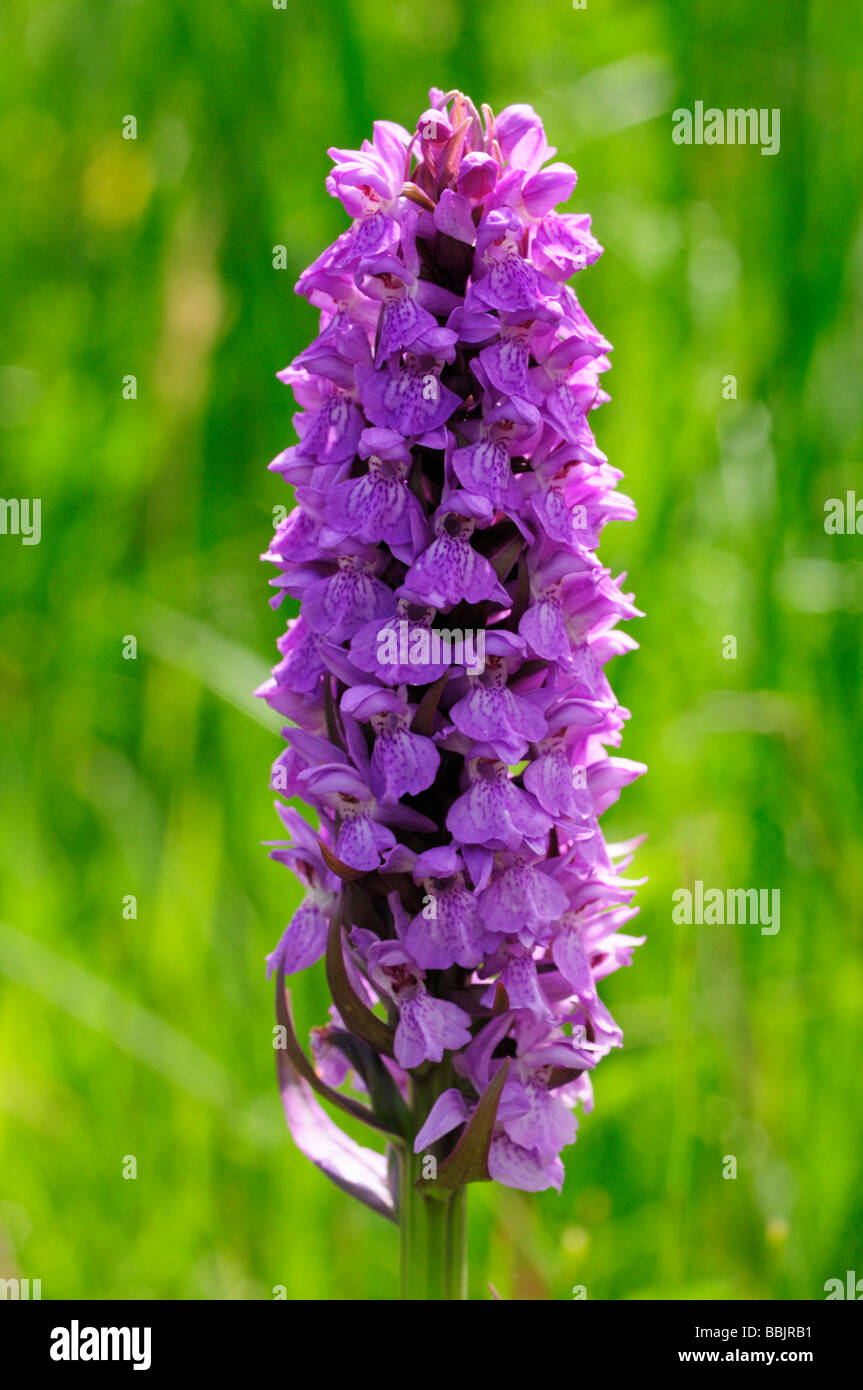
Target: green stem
[(433, 1228), (456, 1246)]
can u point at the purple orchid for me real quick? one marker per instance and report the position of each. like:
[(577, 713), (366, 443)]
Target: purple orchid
[(449, 717)]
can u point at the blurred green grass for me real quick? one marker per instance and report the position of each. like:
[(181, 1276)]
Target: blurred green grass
[(152, 1036)]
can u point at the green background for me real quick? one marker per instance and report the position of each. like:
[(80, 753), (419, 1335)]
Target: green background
[(152, 1037)]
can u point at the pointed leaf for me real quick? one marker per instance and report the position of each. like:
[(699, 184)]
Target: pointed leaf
[(345, 871), (386, 1098), (423, 720), (304, 1068), (453, 147), (504, 559), (561, 1076), (359, 1171), (501, 1000), (468, 1161), (416, 195), (333, 733), (522, 595), (358, 907), (357, 1016)]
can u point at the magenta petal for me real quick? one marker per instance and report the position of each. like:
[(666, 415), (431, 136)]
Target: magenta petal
[(506, 364), (427, 1028), (521, 137), (303, 941), (548, 187), (402, 322), (550, 779), (571, 960), (361, 842), (334, 432), (515, 1166), (542, 625), (412, 402), (546, 1124), (453, 216), (522, 896), (448, 931), (511, 284), (448, 1111), (484, 468), (477, 174), (357, 1170), (450, 571), (338, 607), (605, 780), (402, 764)]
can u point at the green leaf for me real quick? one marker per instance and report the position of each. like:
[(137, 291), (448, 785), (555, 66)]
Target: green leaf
[(423, 720), (503, 560), (343, 870), (305, 1069), (384, 1094), (357, 1016), (468, 1161), (561, 1076)]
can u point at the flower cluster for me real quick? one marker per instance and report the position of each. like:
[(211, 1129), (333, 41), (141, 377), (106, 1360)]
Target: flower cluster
[(447, 481)]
